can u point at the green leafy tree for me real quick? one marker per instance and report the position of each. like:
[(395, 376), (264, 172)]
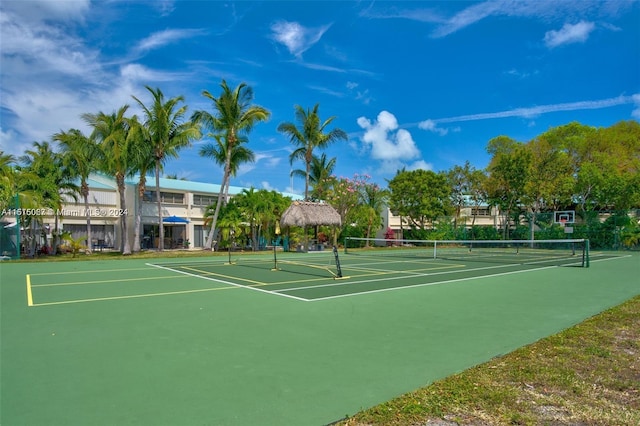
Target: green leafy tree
[(420, 196), (466, 189), (509, 171), (550, 180), (233, 117), (167, 133), (310, 133)]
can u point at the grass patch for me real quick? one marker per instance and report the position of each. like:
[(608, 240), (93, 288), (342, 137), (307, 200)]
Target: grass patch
[(586, 375)]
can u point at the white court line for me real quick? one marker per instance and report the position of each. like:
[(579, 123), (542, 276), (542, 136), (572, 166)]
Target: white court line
[(442, 282), (227, 282), (427, 284), (591, 259), (424, 274)]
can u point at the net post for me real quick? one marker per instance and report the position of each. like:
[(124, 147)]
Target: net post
[(275, 259), (338, 267), (18, 225), (435, 249), (585, 252)]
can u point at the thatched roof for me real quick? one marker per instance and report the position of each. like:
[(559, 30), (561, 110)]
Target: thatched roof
[(304, 213)]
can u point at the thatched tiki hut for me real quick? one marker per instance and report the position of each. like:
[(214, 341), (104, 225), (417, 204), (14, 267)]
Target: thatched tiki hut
[(305, 213)]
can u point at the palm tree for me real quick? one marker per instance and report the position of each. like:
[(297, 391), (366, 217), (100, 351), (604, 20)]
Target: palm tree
[(142, 160), (55, 181), (309, 135), (167, 134), (7, 179), (218, 152), (233, 118), (319, 175), (373, 200), (78, 153), (111, 131), (16, 185), (230, 223)]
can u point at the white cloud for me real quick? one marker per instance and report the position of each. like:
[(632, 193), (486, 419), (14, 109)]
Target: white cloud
[(135, 73), (296, 37), (386, 141), (50, 76), (636, 112), (420, 165), (41, 10), (163, 38), (545, 11), (578, 33), (431, 126), (28, 47), (534, 111)]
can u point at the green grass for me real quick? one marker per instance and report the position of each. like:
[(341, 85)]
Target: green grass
[(588, 374)]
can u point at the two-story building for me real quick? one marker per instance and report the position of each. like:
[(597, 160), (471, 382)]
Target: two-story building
[(183, 205)]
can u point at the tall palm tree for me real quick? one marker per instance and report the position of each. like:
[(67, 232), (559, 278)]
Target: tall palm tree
[(218, 152), (79, 153), (308, 135), (111, 131), (142, 160), (167, 134), (234, 116), (319, 175)]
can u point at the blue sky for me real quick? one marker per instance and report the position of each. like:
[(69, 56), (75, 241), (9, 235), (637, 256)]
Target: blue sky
[(420, 84)]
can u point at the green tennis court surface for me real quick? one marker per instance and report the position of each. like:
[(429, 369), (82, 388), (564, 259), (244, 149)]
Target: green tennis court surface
[(258, 339)]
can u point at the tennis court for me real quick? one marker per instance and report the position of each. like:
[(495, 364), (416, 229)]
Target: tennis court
[(312, 277), (277, 338)]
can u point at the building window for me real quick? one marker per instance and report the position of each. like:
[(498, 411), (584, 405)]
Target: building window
[(481, 211), (204, 200), (165, 197)]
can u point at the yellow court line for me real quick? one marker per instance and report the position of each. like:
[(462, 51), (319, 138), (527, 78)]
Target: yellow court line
[(133, 296), (106, 281), (29, 294)]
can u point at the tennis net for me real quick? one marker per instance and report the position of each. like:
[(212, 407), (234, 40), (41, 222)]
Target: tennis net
[(567, 252)]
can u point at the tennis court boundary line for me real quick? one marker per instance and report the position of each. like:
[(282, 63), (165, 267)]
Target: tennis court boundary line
[(228, 282), (428, 284), (443, 282)]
